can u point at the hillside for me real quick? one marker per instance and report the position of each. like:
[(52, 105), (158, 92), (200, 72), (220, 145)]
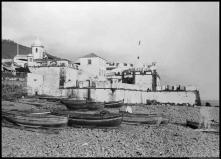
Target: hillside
[(9, 50)]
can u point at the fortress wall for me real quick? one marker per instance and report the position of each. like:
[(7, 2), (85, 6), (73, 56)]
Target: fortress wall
[(46, 81), (133, 96)]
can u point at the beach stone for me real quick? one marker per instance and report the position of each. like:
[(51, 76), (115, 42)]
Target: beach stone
[(171, 140)]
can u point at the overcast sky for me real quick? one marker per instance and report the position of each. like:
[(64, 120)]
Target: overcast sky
[(182, 37)]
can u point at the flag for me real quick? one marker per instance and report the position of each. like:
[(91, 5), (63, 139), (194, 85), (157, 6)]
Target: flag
[(139, 43)]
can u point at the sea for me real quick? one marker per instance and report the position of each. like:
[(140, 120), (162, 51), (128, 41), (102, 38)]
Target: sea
[(212, 102)]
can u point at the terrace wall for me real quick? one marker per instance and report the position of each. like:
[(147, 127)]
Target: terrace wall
[(134, 96), (47, 81)]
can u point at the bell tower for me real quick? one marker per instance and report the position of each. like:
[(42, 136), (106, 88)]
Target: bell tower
[(37, 49)]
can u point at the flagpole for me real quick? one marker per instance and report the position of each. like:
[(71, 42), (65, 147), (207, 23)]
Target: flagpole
[(139, 52), (139, 49)]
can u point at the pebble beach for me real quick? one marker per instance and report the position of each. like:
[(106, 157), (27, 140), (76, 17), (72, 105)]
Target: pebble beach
[(128, 140)]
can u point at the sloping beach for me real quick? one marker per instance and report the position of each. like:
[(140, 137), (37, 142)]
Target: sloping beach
[(129, 140)]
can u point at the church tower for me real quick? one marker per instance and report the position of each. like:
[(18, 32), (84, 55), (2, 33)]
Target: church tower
[(37, 49)]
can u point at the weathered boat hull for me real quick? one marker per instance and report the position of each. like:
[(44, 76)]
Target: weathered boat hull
[(195, 125), (139, 114), (77, 114), (51, 98), (151, 121), (82, 104), (91, 119), (144, 118), (114, 104), (37, 119), (110, 122)]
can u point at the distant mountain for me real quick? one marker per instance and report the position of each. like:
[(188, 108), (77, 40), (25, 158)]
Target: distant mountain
[(9, 50)]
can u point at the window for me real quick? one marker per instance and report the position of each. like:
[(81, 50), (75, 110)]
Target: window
[(36, 50), (89, 61)]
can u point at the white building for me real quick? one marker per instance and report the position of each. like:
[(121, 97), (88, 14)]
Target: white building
[(38, 51), (138, 74), (115, 65), (48, 80), (21, 60), (94, 65), (62, 63), (38, 57)]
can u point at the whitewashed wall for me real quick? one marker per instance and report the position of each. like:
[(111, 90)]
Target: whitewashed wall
[(47, 82), (101, 94), (173, 97), (78, 93), (37, 54), (97, 66), (162, 97), (34, 83), (130, 96), (71, 77), (144, 81), (50, 80)]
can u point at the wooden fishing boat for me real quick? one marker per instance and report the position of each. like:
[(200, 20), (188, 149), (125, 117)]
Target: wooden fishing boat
[(139, 114), (195, 125), (144, 118), (114, 104), (109, 122), (73, 113), (82, 104), (35, 120), (52, 98), (97, 119)]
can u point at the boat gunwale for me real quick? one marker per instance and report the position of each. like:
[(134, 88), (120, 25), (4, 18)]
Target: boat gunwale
[(38, 122)]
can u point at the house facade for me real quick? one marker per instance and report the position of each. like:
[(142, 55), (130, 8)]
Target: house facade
[(93, 65)]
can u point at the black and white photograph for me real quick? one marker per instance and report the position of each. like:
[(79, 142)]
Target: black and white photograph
[(110, 79)]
